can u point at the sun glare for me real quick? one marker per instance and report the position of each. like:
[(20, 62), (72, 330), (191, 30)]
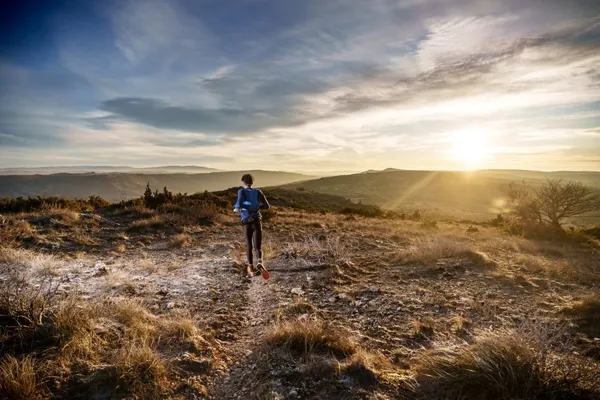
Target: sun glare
[(470, 148)]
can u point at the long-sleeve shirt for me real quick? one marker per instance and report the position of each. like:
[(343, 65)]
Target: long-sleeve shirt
[(250, 201)]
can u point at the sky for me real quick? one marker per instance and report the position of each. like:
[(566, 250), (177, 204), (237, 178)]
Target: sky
[(301, 85)]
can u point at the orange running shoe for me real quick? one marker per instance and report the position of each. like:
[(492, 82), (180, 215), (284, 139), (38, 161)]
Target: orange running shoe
[(263, 271)]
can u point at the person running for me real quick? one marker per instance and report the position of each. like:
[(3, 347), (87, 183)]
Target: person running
[(249, 202)]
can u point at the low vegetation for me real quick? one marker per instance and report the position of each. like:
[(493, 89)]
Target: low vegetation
[(495, 367), (67, 346), (145, 298)]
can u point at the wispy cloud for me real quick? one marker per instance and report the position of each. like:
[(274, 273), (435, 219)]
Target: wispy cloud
[(347, 83)]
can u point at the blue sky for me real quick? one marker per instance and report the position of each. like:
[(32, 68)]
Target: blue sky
[(313, 85)]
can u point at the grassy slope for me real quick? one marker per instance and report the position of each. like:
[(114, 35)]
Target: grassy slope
[(118, 186), (468, 194)]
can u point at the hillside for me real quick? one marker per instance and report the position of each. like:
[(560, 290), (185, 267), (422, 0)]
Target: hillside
[(130, 302), (475, 194), (119, 186)]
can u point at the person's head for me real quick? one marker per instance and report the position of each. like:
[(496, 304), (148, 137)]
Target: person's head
[(248, 179)]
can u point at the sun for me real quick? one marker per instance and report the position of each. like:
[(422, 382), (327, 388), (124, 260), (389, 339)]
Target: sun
[(470, 148)]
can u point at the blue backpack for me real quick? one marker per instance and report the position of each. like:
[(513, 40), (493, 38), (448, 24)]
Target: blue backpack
[(251, 200)]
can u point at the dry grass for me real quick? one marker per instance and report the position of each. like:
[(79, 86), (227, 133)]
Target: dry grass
[(586, 314), (152, 223), (63, 216), (180, 328), (424, 328), (28, 262), (297, 308), (82, 237), (139, 370), (136, 211), (365, 367), (316, 250), (181, 240), (560, 261), (110, 345), (494, 367), (308, 337), (13, 229), (120, 248), (146, 264), (321, 351), (18, 378), (429, 249)]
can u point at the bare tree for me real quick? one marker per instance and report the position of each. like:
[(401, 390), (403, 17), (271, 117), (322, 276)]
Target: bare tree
[(552, 202), (525, 206), (558, 200)]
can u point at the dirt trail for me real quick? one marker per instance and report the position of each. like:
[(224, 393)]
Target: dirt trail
[(261, 299)]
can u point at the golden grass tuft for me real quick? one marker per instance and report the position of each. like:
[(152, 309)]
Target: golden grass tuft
[(310, 336), (297, 308), (137, 320), (18, 378), (493, 368), (140, 371), (365, 367), (423, 328), (429, 249), (180, 328), (181, 240), (13, 229), (153, 223), (509, 366)]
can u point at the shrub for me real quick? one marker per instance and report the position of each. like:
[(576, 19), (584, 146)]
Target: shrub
[(370, 212), (416, 215), (97, 202), (42, 204)]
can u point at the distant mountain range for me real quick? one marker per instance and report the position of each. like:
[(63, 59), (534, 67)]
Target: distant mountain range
[(195, 169), (117, 186), (475, 194)]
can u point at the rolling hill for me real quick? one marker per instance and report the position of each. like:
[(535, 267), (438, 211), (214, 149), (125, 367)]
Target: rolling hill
[(119, 186), (476, 194)]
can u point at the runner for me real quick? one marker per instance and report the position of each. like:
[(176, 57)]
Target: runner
[(248, 204)]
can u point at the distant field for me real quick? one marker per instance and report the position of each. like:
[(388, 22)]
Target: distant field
[(474, 195)]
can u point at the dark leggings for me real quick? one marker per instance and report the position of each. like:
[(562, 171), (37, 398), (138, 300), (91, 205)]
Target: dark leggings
[(253, 233)]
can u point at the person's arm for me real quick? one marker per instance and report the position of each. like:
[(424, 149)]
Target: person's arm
[(263, 200), (238, 203)]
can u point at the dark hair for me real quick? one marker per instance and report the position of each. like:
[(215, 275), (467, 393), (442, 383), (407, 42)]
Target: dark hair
[(248, 179)]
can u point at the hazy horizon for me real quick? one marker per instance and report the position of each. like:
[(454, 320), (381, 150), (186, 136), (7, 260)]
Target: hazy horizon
[(302, 86), (209, 169)]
